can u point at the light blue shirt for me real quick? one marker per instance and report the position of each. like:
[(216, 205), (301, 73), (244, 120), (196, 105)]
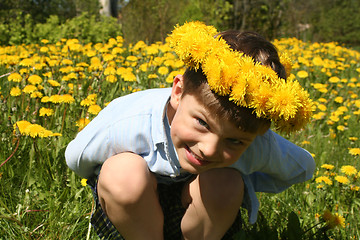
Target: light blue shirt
[(137, 123)]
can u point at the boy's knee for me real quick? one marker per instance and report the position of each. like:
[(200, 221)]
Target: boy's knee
[(124, 178), (222, 187)]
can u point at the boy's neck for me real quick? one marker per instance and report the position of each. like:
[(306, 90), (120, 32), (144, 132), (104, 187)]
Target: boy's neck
[(170, 112)]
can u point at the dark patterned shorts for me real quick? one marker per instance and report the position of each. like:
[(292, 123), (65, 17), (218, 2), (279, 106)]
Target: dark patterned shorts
[(170, 201)]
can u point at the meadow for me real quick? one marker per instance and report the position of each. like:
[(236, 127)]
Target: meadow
[(49, 92)]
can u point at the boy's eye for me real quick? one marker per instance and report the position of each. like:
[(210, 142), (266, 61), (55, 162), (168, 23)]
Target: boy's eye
[(235, 141), (202, 122)]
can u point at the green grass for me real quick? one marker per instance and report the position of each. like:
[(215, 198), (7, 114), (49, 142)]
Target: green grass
[(40, 198)]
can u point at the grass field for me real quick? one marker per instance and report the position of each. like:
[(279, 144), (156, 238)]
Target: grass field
[(49, 92)]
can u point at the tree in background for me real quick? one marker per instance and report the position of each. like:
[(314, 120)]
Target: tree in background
[(337, 20), (109, 8), (152, 20), (41, 10)]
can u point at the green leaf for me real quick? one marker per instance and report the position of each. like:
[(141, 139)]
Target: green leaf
[(294, 230)]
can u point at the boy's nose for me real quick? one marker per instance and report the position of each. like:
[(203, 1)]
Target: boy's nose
[(209, 147)]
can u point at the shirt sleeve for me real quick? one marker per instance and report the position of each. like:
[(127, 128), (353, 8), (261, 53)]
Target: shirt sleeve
[(89, 149), (274, 163), (287, 165)]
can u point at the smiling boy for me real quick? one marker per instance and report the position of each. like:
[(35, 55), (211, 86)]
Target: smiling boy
[(179, 163)]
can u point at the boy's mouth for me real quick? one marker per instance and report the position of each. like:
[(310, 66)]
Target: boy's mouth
[(195, 159)]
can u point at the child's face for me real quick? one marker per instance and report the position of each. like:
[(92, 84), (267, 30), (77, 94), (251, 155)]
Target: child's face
[(203, 141)]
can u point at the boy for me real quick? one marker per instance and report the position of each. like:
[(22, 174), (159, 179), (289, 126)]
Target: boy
[(179, 163)]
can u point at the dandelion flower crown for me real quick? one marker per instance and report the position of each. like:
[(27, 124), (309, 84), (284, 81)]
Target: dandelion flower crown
[(247, 83)]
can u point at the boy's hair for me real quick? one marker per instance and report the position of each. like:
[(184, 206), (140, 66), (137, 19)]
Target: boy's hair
[(253, 45)]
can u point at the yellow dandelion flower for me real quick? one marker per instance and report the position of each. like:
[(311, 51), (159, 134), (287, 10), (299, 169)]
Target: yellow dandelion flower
[(56, 135), (29, 89), (27, 62), (340, 128), (129, 77), (287, 63), (15, 91), (122, 70), (67, 62), (327, 166), (117, 50), (163, 70), (46, 112), (238, 92), (353, 138), (305, 142), (81, 123), (354, 151), (319, 115), (87, 102), (35, 79), (302, 74), (56, 98), (94, 109), (348, 170), (84, 182), (36, 94), (339, 99), (319, 85), (144, 67), (53, 83), (342, 179), (35, 130), (284, 102), (15, 77), (44, 49), (171, 76), (152, 76), (45, 99), (132, 58), (324, 179), (67, 98), (111, 78), (23, 71), (108, 57), (322, 107), (317, 61), (109, 71), (334, 79), (338, 220), (92, 97), (66, 69), (21, 126), (334, 118), (259, 101)]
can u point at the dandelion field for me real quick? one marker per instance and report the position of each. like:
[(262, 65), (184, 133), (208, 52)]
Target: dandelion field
[(49, 92)]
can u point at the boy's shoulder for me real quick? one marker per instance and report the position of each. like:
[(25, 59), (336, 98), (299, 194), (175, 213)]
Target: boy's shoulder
[(147, 96), (146, 101)]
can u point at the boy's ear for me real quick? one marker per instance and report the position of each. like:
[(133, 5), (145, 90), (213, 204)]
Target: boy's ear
[(176, 91)]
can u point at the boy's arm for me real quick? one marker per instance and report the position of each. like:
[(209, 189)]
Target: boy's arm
[(99, 141), (274, 163), (83, 153)]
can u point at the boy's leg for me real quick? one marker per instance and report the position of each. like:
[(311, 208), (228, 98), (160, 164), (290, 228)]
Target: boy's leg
[(127, 193), (214, 199)]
